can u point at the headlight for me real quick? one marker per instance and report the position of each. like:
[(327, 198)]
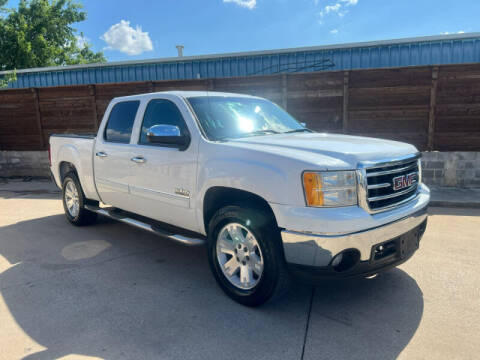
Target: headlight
[(330, 188)]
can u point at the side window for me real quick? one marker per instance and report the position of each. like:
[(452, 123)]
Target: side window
[(161, 112), (120, 122)]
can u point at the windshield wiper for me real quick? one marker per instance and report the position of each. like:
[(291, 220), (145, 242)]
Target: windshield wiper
[(262, 132), (297, 130), (256, 132)]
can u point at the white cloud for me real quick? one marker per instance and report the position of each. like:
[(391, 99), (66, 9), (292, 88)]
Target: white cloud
[(249, 4), (350, 2), (334, 31), (124, 38), (337, 8), (332, 8)]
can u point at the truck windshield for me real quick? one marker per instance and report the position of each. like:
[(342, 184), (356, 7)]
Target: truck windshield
[(235, 117)]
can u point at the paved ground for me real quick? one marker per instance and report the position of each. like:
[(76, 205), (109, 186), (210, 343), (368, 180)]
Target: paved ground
[(114, 292)]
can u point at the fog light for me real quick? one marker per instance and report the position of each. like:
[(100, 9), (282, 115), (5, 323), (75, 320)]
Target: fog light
[(337, 260), (346, 260)]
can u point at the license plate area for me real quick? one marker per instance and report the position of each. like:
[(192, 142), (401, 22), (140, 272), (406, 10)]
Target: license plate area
[(396, 249), (409, 243)]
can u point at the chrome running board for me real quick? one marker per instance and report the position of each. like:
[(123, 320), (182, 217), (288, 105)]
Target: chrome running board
[(153, 228)]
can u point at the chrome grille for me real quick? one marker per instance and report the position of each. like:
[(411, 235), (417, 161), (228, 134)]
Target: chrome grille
[(389, 184)]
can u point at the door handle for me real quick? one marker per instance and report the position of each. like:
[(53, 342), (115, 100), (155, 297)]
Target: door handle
[(101, 154), (138, 159)]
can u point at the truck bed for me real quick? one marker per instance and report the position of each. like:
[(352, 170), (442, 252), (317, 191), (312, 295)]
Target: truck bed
[(77, 150)]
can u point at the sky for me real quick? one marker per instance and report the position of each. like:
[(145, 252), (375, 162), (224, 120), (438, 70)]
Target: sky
[(141, 29)]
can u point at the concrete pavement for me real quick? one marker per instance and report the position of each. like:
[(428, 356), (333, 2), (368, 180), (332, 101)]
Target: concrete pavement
[(114, 292)]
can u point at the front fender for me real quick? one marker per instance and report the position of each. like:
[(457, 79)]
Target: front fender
[(265, 180)]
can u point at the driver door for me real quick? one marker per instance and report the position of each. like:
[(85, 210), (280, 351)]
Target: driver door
[(163, 181)]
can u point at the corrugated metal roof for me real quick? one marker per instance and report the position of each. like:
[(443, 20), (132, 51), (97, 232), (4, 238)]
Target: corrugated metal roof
[(430, 50)]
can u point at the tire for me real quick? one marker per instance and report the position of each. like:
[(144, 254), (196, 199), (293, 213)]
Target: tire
[(269, 278), (72, 191)]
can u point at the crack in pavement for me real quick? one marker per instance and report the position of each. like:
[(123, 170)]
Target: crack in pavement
[(308, 322)]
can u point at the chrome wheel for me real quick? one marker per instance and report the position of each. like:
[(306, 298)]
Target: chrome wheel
[(72, 199), (239, 256)]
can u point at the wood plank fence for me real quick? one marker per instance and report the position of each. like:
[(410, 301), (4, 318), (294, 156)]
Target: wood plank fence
[(432, 107)]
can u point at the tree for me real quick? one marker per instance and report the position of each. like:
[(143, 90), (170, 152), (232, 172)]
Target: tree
[(39, 33), (7, 78)]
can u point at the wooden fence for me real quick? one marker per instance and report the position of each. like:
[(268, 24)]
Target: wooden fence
[(434, 108)]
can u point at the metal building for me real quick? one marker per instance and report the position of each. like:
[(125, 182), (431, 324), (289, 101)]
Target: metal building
[(431, 50)]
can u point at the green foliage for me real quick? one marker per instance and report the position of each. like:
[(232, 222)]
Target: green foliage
[(39, 33), (9, 77)]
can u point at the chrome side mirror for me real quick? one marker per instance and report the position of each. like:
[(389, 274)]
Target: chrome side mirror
[(168, 135)]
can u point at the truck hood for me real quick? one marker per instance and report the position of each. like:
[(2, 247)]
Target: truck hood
[(327, 150)]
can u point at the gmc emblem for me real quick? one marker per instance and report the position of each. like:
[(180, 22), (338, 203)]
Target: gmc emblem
[(404, 181)]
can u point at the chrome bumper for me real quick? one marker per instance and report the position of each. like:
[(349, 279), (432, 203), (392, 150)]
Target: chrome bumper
[(319, 250)]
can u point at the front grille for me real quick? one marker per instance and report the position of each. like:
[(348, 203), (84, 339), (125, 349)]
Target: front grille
[(391, 184)]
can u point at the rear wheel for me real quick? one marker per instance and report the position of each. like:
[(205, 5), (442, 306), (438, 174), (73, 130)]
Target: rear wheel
[(74, 202), (245, 255)]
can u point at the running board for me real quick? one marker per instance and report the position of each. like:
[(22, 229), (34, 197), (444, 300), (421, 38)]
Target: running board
[(185, 240)]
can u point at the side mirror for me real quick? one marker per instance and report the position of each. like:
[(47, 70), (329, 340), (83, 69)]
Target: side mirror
[(168, 135), (304, 124)]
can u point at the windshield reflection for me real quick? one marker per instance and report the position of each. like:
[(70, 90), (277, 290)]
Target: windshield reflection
[(223, 117)]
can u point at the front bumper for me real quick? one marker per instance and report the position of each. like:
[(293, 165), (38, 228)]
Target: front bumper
[(398, 250), (314, 250)]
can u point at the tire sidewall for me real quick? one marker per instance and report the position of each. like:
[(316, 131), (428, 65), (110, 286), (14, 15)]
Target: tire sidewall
[(74, 179), (262, 228)]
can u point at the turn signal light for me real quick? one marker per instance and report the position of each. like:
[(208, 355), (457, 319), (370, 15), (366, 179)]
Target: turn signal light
[(312, 184), (330, 188)]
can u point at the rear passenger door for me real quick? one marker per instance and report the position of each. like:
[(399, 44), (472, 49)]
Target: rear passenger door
[(112, 154)]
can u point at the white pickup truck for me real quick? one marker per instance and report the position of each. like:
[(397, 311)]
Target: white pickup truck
[(267, 196)]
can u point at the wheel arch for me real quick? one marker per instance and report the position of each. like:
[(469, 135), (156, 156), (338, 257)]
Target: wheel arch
[(66, 167), (220, 196), (70, 162)]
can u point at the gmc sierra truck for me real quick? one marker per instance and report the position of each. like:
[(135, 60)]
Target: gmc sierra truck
[(267, 196)]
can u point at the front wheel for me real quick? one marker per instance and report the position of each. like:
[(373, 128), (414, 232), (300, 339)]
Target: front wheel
[(245, 255)]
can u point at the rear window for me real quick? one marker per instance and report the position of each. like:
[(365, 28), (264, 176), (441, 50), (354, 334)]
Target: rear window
[(120, 122)]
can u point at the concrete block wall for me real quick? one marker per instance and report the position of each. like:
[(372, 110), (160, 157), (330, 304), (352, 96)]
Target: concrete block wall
[(451, 168), (24, 163)]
